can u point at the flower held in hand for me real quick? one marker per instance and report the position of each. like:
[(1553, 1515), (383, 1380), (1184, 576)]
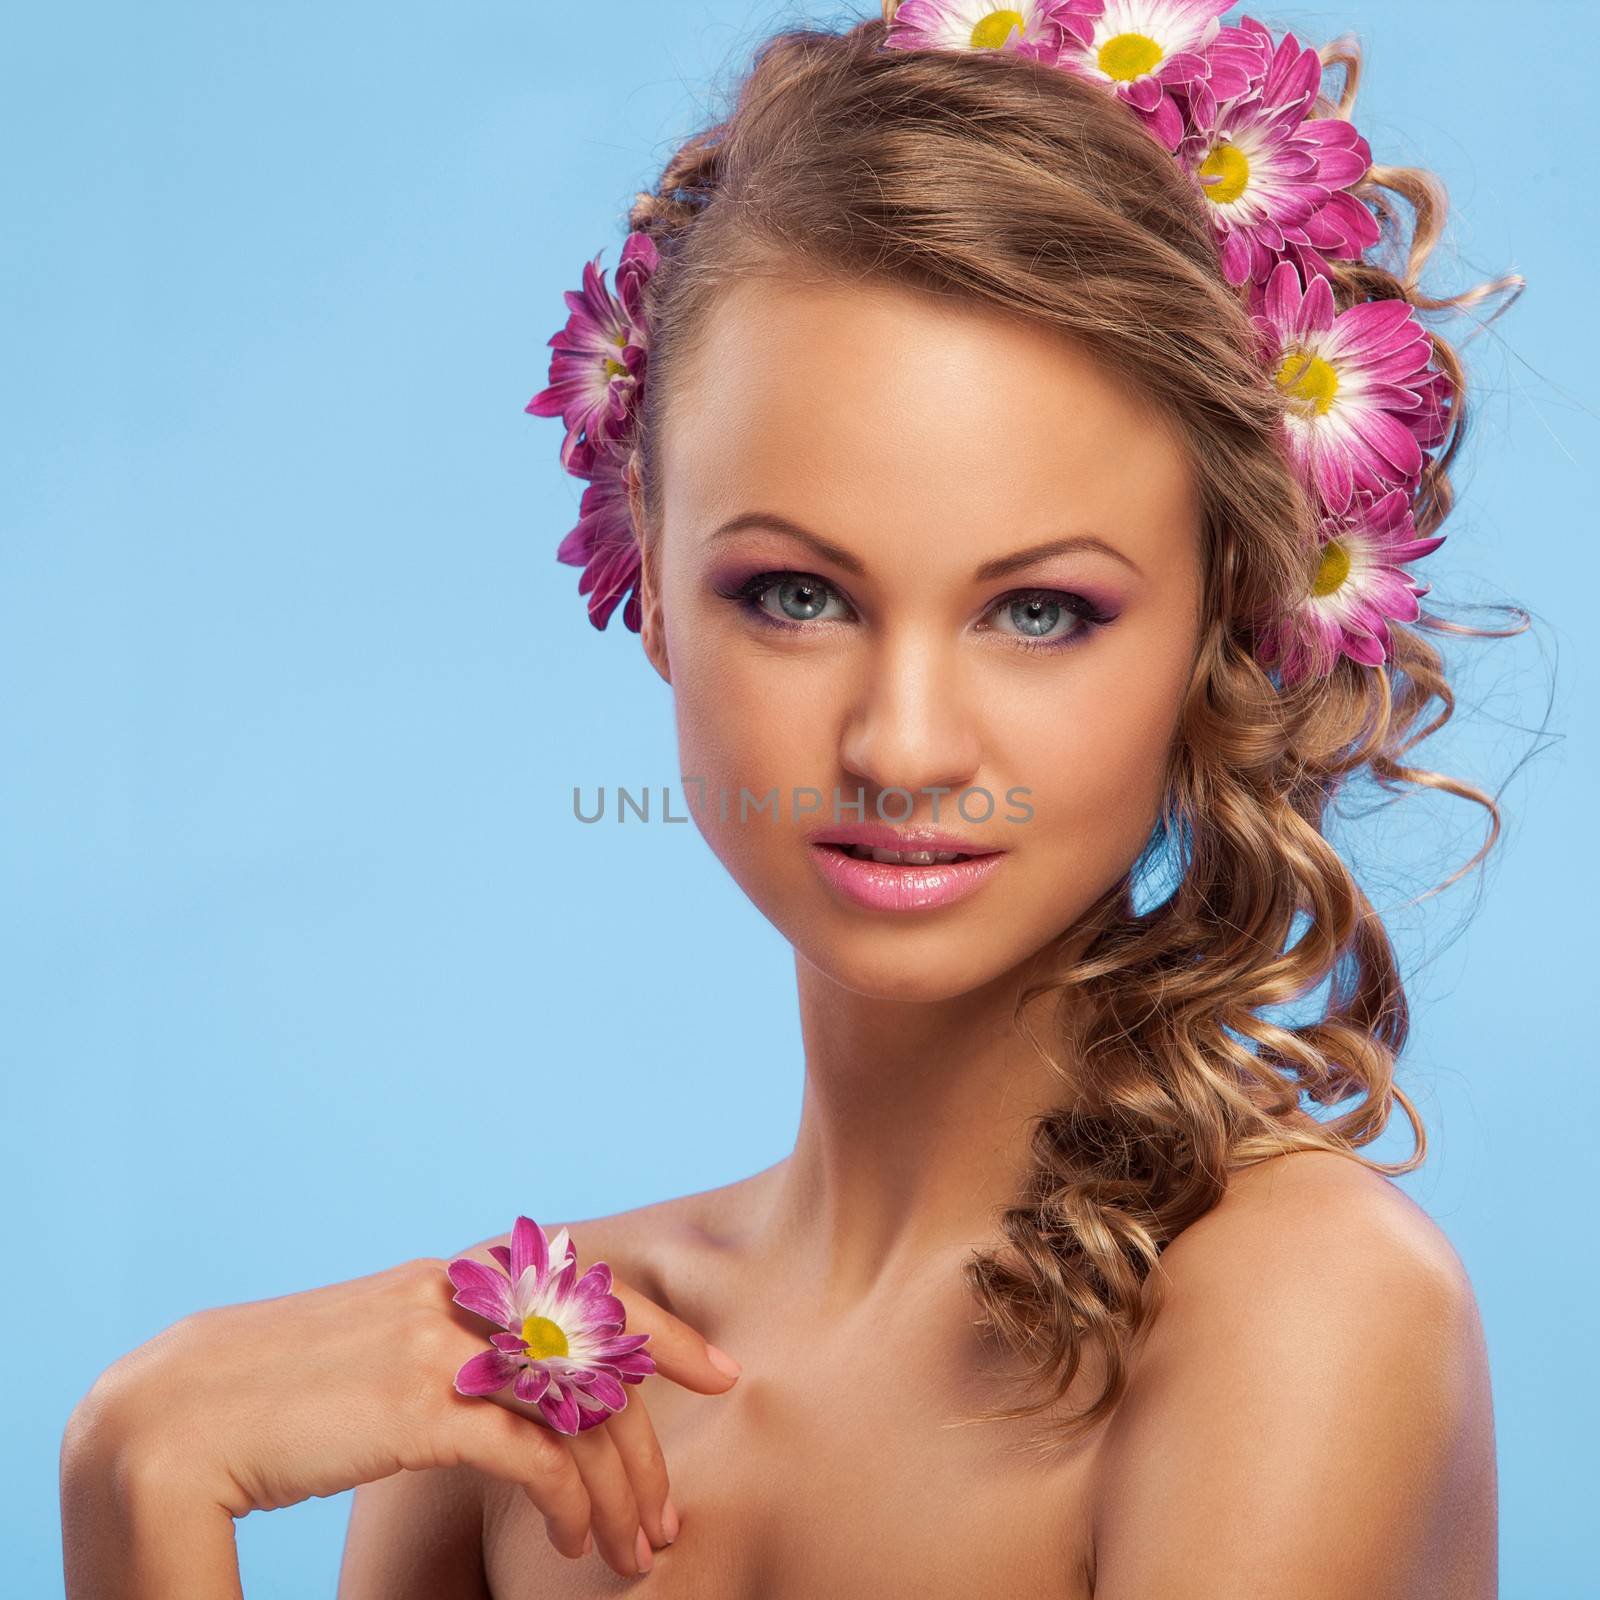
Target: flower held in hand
[(563, 1349)]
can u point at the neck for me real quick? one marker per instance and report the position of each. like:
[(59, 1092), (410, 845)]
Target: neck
[(914, 1128)]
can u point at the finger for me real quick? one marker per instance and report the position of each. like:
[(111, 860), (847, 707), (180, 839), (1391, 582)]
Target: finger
[(634, 1435), (639, 1450), (613, 1512), (679, 1352), (504, 1445)]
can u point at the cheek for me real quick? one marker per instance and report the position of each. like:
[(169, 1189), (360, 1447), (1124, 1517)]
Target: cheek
[(747, 709), (1096, 758), (745, 723), (743, 719)]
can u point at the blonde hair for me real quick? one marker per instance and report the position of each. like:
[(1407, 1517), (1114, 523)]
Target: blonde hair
[(992, 177)]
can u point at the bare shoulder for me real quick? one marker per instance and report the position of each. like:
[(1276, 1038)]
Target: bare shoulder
[(627, 1241), (1311, 1409), (655, 1248), (1312, 1224)]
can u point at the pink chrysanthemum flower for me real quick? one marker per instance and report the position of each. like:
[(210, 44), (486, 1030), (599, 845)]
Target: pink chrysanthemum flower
[(1023, 27), (1359, 587), (604, 544), (1151, 51), (563, 1349), (1275, 175), (1367, 403), (598, 366)]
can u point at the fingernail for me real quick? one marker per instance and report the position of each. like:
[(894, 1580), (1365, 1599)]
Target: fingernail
[(669, 1520), (641, 1548), (722, 1361)]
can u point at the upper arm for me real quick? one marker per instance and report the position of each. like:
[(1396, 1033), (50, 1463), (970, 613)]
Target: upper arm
[(416, 1536), (1310, 1415)]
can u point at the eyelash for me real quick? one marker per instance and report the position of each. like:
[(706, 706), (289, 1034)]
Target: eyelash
[(747, 596)]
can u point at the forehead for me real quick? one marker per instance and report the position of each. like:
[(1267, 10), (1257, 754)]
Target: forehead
[(875, 411)]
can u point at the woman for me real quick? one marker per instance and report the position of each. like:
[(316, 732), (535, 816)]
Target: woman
[(1031, 447)]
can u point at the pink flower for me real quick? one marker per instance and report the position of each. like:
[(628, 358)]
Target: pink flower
[(1359, 586), (563, 1349), (1020, 27), (1366, 403), (1150, 51), (597, 371), (604, 544), (596, 386), (1275, 175)]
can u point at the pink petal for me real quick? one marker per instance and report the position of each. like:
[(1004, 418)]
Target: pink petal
[(1283, 295), (486, 1373), (1182, 66), (1316, 306), (481, 1289), (1387, 436), (1333, 477), (559, 1409), (1364, 648), (1338, 169), (1235, 257), (604, 1387), (531, 1384), (529, 1248), (1145, 93), (564, 1279), (595, 1284), (621, 1344), (633, 1369), (1165, 122), (1415, 549)]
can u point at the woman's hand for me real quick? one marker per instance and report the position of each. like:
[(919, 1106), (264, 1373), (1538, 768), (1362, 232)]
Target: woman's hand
[(255, 1406)]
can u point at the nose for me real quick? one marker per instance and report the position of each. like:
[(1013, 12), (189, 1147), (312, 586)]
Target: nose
[(911, 726)]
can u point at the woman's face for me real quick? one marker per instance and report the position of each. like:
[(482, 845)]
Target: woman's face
[(921, 441)]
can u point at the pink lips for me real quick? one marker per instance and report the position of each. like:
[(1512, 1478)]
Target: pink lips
[(885, 886), (882, 886)]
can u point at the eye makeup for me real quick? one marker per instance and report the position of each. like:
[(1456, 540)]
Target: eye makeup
[(1089, 615)]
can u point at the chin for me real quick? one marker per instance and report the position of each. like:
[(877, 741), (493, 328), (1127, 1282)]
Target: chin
[(884, 974), (886, 957)]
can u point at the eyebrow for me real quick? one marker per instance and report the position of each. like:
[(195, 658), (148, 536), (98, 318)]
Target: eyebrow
[(1000, 567)]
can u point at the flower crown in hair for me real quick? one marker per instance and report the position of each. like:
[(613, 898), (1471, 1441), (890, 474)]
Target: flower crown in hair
[(1234, 108)]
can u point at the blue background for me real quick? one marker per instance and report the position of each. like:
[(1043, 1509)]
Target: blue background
[(297, 925)]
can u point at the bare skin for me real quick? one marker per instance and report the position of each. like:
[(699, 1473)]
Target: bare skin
[(1319, 1348), (1310, 1415)]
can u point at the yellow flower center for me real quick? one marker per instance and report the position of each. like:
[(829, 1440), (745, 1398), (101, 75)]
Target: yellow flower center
[(1128, 56), (993, 30), (615, 368), (1310, 379), (1226, 163), (1333, 569), (543, 1338)]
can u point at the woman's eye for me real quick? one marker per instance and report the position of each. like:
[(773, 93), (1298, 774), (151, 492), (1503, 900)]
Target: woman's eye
[(1037, 617), (789, 597), (1046, 617), (799, 599)]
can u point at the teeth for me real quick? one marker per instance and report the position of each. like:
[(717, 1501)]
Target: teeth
[(904, 858)]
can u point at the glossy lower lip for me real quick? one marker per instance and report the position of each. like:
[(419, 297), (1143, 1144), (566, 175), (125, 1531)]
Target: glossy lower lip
[(882, 886)]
